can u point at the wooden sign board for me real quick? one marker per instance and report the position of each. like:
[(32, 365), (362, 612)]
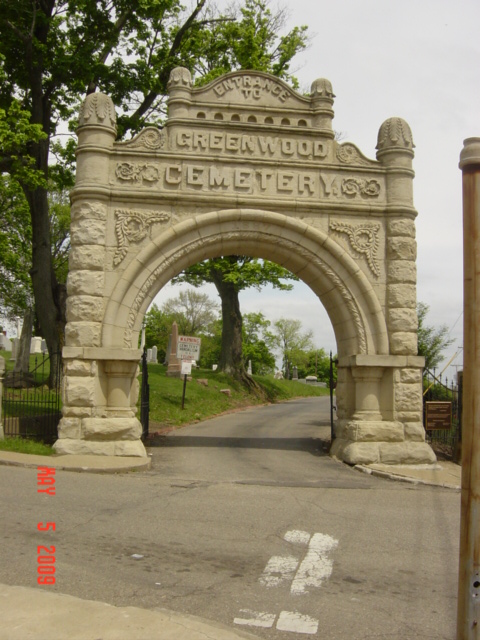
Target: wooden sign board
[(188, 348), (438, 415)]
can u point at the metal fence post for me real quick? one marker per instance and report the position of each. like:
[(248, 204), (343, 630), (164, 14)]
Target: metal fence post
[(2, 371)]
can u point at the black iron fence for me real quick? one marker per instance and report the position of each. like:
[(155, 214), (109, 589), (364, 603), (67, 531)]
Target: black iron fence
[(144, 397), (445, 400), (30, 407)]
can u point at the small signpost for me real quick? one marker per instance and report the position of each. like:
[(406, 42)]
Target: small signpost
[(188, 350), (438, 415)]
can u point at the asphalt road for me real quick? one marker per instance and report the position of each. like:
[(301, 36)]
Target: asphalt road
[(245, 520)]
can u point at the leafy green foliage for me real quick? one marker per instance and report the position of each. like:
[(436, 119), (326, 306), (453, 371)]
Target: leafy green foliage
[(250, 40), (432, 341), (53, 52), (16, 294), (241, 272), (293, 343), (193, 312), (15, 250), (258, 343)]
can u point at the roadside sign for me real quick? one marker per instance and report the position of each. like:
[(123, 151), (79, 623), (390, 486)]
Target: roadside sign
[(186, 368), (188, 348), (438, 415)]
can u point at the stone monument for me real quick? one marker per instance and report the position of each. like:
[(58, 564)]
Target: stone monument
[(244, 165)]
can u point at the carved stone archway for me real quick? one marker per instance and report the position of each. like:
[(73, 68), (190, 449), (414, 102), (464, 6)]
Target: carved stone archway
[(244, 165)]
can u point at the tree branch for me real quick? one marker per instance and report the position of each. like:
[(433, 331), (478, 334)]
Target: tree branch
[(150, 98)]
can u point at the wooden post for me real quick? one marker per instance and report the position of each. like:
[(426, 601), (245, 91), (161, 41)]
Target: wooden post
[(468, 618)]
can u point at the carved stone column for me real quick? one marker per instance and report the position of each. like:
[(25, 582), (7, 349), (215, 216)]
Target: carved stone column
[(367, 393), (376, 431)]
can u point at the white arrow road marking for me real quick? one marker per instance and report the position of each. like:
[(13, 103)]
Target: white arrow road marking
[(297, 537), (296, 622), (279, 569), (255, 618), (316, 566)]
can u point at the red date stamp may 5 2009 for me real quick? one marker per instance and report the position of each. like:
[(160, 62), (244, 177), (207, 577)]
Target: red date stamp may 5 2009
[(46, 554)]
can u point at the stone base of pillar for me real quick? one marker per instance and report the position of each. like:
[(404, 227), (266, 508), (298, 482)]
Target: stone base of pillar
[(132, 448), (394, 453), (110, 436)]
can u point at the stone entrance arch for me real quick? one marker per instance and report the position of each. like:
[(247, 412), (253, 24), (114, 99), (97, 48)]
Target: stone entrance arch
[(244, 166)]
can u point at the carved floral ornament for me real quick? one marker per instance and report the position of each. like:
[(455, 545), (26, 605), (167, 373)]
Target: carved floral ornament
[(133, 226), (349, 154), (179, 77), (395, 133), (137, 172), (150, 138), (363, 240), (97, 108)]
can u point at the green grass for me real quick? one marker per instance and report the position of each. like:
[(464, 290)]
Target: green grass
[(20, 445), (202, 402)]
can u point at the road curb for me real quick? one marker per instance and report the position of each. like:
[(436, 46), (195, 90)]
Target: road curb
[(101, 464), (399, 478)]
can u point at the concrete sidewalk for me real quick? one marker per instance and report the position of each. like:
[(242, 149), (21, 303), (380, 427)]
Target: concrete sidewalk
[(92, 464), (39, 614), (442, 474)]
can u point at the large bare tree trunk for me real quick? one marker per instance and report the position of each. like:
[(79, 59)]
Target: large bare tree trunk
[(231, 359), (231, 356), (22, 355)]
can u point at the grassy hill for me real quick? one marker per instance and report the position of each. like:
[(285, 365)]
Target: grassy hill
[(204, 397)]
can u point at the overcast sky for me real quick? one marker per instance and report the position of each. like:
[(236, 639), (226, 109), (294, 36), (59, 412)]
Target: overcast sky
[(420, 60)]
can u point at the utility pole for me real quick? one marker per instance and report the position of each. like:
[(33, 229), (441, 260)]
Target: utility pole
[(468, 615)]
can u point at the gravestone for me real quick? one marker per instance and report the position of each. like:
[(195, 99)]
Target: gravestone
[(295, 373), (5, 343), (249, 369), (154, 355), (35, 345), (174, 365), (15, 347), (149, 355)]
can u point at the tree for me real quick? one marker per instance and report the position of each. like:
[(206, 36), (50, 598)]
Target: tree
[(293, 343), (158, 327), (192, 310), (258, 343), (318, 365), (230, 275), (15, 250), (431, 340), (54, 52)]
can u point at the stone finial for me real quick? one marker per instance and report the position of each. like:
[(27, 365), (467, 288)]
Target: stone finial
[(98, 109), (394, 134), (322, 88), (180, 78)]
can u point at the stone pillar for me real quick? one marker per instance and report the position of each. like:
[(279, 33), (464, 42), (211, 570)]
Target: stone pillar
[(180, 92), (100, 394), (395, 151), (174, 365), (367, 392), (321, 98), (382, 423)]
